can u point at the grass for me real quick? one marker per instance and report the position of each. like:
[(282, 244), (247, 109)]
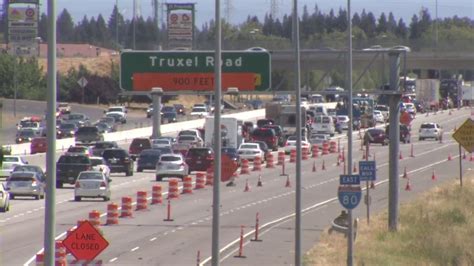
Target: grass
[(435, 229)]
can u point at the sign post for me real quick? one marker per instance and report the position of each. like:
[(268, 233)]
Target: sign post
[(349, 195), (85, 243), (82, 83), (465, 138), (367, 172)]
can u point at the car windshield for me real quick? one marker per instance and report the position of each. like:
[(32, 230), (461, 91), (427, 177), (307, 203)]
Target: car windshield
[(87, 130), (96, 161), (113, 153), (104, 145), (90, 176), (22, 177), (74, 160), (75, 117), (26, 168), (187, 138), (67, 126), (26, 133), (150, 153), (115, 109), (161, 141), (77, 149), (198, 109), (168, 109), (263, 133)]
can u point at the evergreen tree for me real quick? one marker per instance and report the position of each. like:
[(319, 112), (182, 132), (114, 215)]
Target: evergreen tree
[(286, 27), (382, 26), (341, 21), (43, 27), (401, 30), (415, 30), (356, 20), (81, 31), (103, 35), (330, 22), (392, 23), (65, 27)]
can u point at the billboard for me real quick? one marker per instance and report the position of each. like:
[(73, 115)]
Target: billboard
[(180, 18), (22, 14)]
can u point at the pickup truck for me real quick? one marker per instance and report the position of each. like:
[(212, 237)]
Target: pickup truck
[(69, 166)]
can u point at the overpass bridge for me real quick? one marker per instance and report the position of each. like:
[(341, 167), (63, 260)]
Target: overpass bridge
[(326, 60)]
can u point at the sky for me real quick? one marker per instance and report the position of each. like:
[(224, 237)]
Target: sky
[(240, 9)]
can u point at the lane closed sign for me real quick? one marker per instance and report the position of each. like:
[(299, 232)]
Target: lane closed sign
[(85, 243)]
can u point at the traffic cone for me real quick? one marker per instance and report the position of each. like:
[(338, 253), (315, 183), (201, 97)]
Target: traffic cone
[(405, 175), (450, 112), (449, 157), (314, 166), (354, 169), (259, 183), (408, 186), (288, 184), (433, 176), (400, 156), (372, 185), (324, 166), (247, 187)]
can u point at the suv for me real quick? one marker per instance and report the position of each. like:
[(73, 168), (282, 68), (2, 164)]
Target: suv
[(88, 134), (278, 132), (100, 146), (199, 159), (138, 145), (69, 166), (430, 130), (118, 160), (268, 135), (264, 122)]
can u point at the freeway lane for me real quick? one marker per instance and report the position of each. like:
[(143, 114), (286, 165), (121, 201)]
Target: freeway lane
[(192, 214)]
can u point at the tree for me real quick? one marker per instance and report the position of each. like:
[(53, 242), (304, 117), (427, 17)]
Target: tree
[(43, 27), (401, 31), (382, 26), (65, 27), (341, 21), (392, 23), (103, 35), (415, 30)]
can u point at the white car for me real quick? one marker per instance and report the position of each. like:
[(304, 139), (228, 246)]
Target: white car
[(92, 184), (249, 151), (171, 165), (25, 183), (160, 143), (378, 117), (430, 130), (199, 111), (384, 110), (343, 121), (99, 164), (4, 199), (317, 138), (291, 144), (193, 141), (120, 117), (9, 162)]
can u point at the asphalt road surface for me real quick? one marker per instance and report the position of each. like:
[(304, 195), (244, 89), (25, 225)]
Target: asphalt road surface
[(146, 239)]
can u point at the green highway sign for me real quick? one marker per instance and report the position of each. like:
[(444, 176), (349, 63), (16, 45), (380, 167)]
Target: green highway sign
[(193, 70)]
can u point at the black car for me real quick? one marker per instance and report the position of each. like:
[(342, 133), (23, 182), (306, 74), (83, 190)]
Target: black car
[(118, 160), (147, 159), (66, 130), (180, 109), (169, 117), (232, 153)]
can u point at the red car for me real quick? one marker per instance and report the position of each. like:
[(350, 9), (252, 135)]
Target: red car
[(38, 145), (137, 146), (375, 135), (199, 159), (267, 135)]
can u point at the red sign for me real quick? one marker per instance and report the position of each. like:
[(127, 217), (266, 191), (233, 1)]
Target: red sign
[(85, 243), (197, 81), (228, 167), (405, 118)]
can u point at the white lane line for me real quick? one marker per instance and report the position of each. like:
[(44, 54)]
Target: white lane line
[(152, 239), (134, 249), (165, 233), (114, 259), (29, 212)]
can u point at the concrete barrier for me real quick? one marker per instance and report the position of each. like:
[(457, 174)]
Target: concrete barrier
[(61, 144)]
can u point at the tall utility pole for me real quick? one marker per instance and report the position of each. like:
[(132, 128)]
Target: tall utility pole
[(274, 7), (155, 4), (228, 8)]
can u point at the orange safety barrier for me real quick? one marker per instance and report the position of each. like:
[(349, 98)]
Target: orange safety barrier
[(332, 147), (325, 148), (305, 154), (210, 176), (293, 156), (173, 190), (94, 218), (270, 163), (60, 254), (257, 164), (315, 150), (244, 168), (200, 181), (187, 185), (39, 260), (156, 195), (112, 214), (142, 203), (281, 158), (126, 207)]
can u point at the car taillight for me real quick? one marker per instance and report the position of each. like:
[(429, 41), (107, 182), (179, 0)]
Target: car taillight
[(102, 184), (34, 184), (210, 157), (287, 144), (78, 185), (126, 159)]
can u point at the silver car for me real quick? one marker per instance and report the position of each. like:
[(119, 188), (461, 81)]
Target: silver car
[(25, 184), (92, 184), (4, 199), (171, 165)]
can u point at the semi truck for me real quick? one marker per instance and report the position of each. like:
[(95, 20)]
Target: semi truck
[(231, 132)]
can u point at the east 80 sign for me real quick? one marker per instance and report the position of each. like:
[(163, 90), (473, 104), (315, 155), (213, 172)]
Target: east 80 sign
[(349, 196), (193, 71)]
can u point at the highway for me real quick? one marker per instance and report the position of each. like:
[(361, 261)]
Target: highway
[(146, 239)]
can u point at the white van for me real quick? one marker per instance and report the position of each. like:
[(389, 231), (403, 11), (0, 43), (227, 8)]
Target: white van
[(323, 124), (319, 110)]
